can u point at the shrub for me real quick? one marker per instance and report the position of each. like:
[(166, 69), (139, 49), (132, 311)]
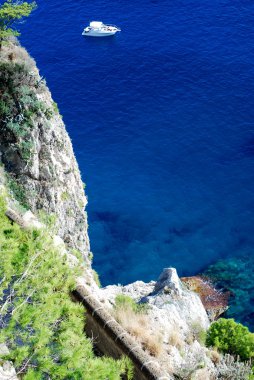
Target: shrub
[(17, 191), (193, 366), (126, 302), (231, 337), (20, 107), (133, 317), (55, 107), (65, 196), (41, 326), (137, 324), (175, 338), (199, 333), (229, 368), (10, 13), (96, 278)]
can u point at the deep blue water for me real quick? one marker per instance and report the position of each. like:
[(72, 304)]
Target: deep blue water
[(162, 121)]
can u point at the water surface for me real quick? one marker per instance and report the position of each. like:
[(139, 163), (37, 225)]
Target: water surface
[(161, 117)]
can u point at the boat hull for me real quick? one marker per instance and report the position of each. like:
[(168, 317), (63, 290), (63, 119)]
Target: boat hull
[(98, 34)]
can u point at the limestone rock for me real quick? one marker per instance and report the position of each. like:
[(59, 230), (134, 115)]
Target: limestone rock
[(175, 312), (7, 371), (31, 221), (47, 174), (136, 290), (214, 300), (168, 282)]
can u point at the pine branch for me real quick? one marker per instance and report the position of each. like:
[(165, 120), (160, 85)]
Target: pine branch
[(24, 302)]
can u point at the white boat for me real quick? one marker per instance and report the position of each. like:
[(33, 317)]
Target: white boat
[(98, 29)]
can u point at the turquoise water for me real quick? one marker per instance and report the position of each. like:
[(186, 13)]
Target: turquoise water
[(162, 121)]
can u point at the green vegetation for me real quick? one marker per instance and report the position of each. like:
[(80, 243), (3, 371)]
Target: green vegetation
[(65, 196), (48, 219), (17, 190), (55, 107), (40, 324), (96, 278), (134, 318), (198, 333), (10, 12), (125, 302), (231, 337), (19, 107)]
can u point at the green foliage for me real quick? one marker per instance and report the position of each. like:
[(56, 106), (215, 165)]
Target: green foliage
[(10, 12), (26, 149), (55, 107), (231, 337), (19, 107), (125, 302), (17, 190), (90, 256), (96, 278), (198, 332), (231, 368), (41, 326), (49, 220), (65, 196)]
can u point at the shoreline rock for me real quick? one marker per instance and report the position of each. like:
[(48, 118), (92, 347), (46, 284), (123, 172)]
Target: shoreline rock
[(214, 301)]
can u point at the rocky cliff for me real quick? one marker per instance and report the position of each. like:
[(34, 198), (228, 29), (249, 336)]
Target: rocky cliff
[(42, 175), (36, 150)]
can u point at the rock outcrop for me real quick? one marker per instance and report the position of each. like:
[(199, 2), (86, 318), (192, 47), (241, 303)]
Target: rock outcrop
[(7, 371), (214, 300), (176, 313), (36, 150)]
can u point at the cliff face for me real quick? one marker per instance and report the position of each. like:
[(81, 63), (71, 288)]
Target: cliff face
[(36, 150), (43, 175)]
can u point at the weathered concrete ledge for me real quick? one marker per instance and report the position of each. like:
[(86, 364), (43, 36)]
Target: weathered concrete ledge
[(112, 340)]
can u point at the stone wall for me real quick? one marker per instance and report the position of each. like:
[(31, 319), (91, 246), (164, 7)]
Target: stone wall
[(112, 340)]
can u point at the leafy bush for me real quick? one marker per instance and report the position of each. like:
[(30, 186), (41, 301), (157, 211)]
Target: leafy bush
[(198, 332), (229, 368), (125, 302), (12, 11), (17, 191), (19, 107), (41, 326), (55, 107), (231, 337), (134, 319), (96, 278)]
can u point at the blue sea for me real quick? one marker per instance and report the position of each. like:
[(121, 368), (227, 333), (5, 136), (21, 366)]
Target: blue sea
[(161, 117)]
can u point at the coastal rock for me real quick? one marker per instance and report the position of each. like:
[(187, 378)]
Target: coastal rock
[(136, 291), (41, 167), (168, 283), (169, 300), (174, 312), (215, 301)]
